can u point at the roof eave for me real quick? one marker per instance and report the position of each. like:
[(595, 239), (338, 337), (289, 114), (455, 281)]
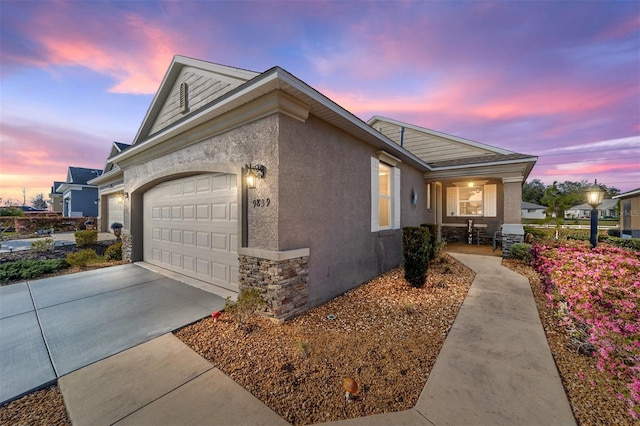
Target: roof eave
[(277, 79)]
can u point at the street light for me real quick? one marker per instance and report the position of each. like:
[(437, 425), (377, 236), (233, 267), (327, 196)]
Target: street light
[(595, 194)]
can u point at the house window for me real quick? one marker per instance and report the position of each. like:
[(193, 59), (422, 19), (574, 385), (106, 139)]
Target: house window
[(472, 200), (385, 196), (184, 98)]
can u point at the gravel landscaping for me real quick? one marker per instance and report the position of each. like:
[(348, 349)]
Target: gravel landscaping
[(43, 407), (384, 334)]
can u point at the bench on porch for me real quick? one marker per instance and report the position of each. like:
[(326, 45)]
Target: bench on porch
[(493, 233)]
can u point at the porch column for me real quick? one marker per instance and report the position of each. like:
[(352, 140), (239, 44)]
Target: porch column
[(512, 199)]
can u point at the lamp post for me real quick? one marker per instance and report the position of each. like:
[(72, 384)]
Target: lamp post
[(595, 194)]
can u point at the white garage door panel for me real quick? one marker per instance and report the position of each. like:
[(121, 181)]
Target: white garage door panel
[(191, 228)]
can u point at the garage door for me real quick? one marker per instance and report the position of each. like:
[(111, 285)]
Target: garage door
[(190, 227), (115, 212)]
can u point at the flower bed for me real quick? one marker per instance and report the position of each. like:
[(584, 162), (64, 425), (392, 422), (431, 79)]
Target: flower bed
[(598, 292)]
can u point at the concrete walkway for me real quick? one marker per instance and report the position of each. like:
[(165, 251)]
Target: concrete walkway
[(495, 368)]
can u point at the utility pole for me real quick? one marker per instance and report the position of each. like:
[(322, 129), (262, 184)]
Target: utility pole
[(24, 196)]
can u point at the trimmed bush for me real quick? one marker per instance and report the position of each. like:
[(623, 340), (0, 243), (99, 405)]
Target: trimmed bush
[(416, 248), (42, 245), (29, 269), (628, 243), (82, 258), (613, 232), (521, 251), (86, 238), (113, 252), (433, 239)]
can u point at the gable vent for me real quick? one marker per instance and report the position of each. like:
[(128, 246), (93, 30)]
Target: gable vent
[(184, 98)]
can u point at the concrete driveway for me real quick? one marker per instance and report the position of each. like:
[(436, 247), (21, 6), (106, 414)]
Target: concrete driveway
[(53, 326)]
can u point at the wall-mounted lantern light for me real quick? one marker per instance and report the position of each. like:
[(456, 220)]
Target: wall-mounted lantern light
[(595, 194), (254, 173)]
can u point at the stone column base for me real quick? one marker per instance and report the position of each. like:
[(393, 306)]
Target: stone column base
[(127, 246), (282, 279), (511, 234)]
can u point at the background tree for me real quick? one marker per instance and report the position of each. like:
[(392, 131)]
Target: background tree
[(39, 202), (557, 202), (532, 192)]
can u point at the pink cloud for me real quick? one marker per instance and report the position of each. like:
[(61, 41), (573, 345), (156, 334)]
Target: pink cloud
[(33, 155), (131, 50)]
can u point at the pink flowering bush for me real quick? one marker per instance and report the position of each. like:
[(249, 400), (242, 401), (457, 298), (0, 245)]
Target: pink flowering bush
[(599, 291)]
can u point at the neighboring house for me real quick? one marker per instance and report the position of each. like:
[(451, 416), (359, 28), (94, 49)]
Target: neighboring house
[(111, 188), (55, 197), (629, 213), (79, 199), (329, 192), (532, 211), (607, 209)]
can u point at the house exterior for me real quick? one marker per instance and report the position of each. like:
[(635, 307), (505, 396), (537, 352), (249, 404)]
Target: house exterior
[(330, 197), (79, 198), (607, 209), (532, 211), (55, 197), (111, 189), (629, 213)]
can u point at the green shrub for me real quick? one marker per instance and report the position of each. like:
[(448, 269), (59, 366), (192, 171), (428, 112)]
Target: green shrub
[(434, 247), (29, 269), (613, 232), (248, 302), (521, 251), (416, 248), (629, 243), (82, 258), (42, 245), (114, 251), (537, 233), (86, 238)]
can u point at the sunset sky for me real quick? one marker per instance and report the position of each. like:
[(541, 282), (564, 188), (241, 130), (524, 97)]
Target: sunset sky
[(556, 79)]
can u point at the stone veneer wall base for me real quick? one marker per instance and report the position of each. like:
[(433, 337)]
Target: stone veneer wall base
[(507, 241), (284, 284), (127, 246)]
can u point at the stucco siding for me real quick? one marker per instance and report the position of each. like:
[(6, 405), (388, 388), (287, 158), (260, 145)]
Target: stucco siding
[(325, 205), (203, 88), (228, 152)]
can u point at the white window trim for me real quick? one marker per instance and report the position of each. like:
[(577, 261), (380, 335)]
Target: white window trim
[(375, 192)]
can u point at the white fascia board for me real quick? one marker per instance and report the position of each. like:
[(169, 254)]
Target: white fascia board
[(491, 163), (627, 194), (440, 134), (73, 186)]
